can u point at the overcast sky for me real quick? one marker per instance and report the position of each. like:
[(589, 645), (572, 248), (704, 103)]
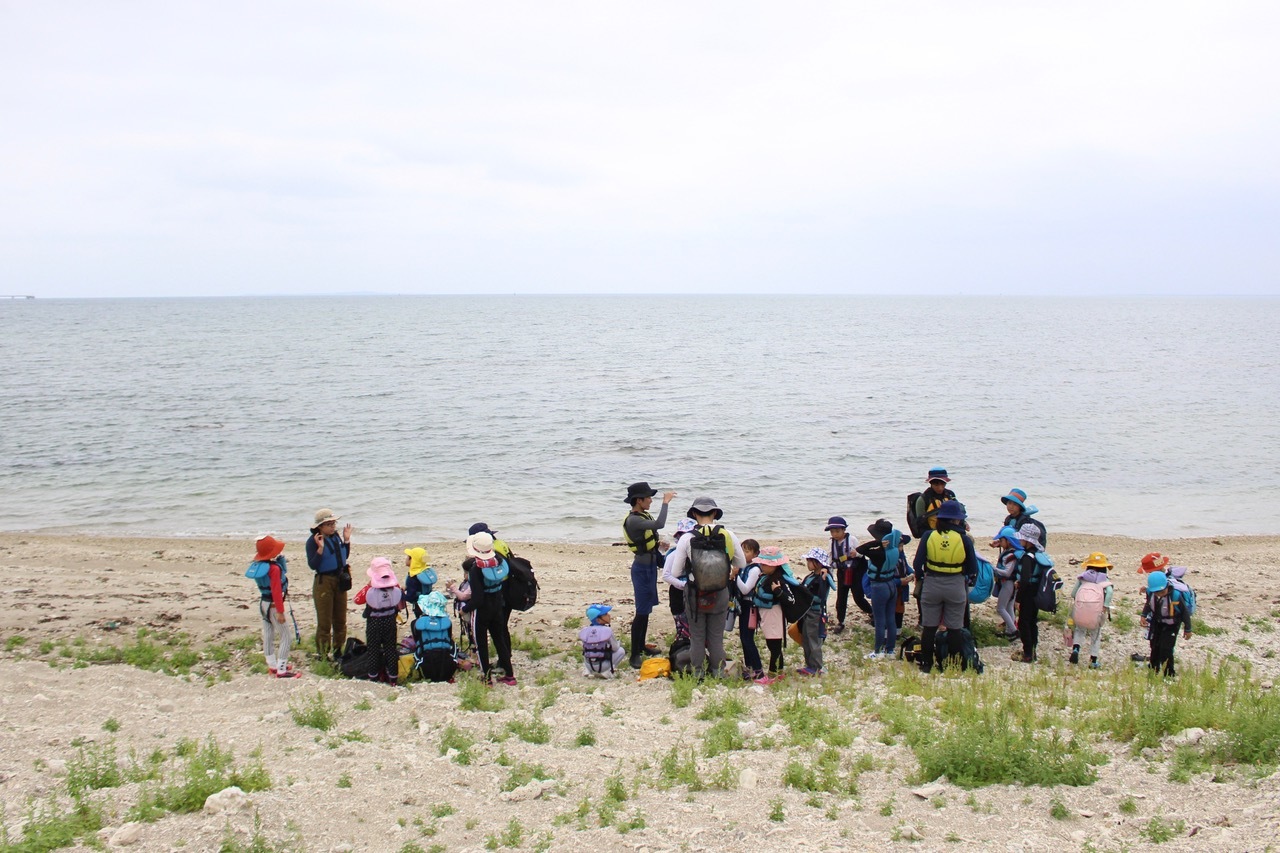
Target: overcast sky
[(174, 148)]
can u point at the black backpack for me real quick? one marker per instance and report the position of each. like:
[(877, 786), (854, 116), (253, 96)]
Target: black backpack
[(794, 600), (953, 643), (356, 659), (521, 587), (913, 520), (1047, 594)]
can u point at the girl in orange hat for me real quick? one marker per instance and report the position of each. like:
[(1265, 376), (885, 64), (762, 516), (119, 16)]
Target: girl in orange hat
[(268, 570)]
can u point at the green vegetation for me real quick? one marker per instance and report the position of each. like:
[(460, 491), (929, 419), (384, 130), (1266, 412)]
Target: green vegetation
[(586, 737), (534, 730), (16, 641), (315, 713), (827, 771), (682, 689), (523, 774), (475, 695), (48, 827), (206, 770), (455, 738), (1158, 830)]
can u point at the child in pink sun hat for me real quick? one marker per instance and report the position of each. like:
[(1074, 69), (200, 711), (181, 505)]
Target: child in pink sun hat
[(382, 599)]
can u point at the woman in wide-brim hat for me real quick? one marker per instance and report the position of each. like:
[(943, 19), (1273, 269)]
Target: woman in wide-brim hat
[(328, 554)]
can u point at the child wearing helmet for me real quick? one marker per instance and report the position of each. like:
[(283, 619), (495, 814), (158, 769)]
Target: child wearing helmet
[(1164, 612), (1090, 607)]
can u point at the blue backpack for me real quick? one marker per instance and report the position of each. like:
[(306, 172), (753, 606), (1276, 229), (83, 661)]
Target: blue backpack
[(1185, 593), (981, 589)]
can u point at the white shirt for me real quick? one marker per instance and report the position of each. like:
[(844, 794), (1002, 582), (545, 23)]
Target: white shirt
[(674, 571)]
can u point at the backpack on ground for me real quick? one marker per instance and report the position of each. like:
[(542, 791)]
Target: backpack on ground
[(957, 643), (1087, 612), (1047, 593), (913, 521), (794, 600), (521, 587), (709, 558), (654, 668), (1186, 593), (981, 589), (597, 648), (356, 659), (678, 656), (908, 648)]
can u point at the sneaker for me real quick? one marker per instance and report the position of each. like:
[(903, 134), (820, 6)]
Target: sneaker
[(287, 672), (872, 656), (1093, 664), (804, 670), (764, 679), (651, 649), (509, 680), (838, 629)]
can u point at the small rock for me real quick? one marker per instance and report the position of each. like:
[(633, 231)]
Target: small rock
[(529, 791), (1186, 737), (57, 766), (907, 832), (928, 792), (227, 800), (128, 834), (747, 728), (39, 697), (165, 707), (1266, 685), (748, 780), (1085, 813)]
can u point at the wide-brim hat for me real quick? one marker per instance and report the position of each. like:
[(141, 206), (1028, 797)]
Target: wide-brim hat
[(1097, 560), (269, 547), (771, 555), (480, 526), (1029, 533), (951, 511), (1153, 562), (480, 546), (324, 516), (937, 474), (880, 528), (1016, 496), (705, 506), (639, 490), (836, 521), (381, 575), (685, 525), (434, 605), (819, 556)]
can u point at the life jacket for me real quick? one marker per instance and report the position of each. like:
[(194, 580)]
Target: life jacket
[(379, 602), (260, 572), (842, 553), (817, 586), (944, 552), (762, 597), (597, 648), (494, 577), (932, 503), (648, 542), (1165, 608), (1090, 604), (710, 554), (434, 633)]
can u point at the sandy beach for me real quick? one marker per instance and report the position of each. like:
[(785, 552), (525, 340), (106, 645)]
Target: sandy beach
[(388, 786)]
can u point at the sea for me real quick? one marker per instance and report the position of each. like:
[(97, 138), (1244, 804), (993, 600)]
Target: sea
[(414, 416)]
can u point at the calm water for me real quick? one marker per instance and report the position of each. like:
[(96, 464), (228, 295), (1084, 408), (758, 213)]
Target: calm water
[(414, 416)]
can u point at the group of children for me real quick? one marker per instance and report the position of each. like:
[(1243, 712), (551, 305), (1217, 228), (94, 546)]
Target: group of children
[(429, 650)]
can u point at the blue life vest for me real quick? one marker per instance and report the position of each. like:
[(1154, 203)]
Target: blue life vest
[(761, 597), (434, 632), (494, 577), (260, 572)]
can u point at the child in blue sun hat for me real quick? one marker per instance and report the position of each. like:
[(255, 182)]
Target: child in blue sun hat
[(602, 653)]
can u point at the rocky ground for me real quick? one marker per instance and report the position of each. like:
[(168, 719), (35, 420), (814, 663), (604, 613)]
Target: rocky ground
[(559, 762)]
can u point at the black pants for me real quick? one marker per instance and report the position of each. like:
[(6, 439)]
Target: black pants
[(1028, 619), (380, 636), (1163, 639), (775, 654), (858, 569), (491, 622)]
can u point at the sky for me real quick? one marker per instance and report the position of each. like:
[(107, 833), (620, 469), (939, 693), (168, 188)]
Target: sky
[(1021, 148)]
